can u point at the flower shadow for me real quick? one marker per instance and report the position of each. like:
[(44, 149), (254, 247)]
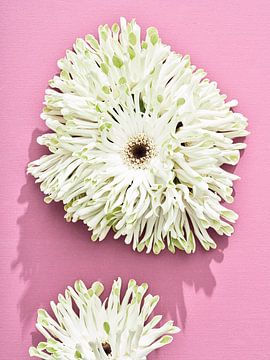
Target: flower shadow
[(52, 254)]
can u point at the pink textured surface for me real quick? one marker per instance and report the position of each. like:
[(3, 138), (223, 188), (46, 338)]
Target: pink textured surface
[(220, 298)]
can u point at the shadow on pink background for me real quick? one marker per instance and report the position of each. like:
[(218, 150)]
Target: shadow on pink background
[(220, 299)]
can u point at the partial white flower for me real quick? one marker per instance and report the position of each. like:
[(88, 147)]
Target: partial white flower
[(115, 329), (138, 141)]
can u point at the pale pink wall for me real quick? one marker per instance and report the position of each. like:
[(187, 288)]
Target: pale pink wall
[(221, 298)]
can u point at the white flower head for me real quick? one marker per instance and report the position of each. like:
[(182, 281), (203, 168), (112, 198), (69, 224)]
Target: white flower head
[(117, 329), (138, 141)]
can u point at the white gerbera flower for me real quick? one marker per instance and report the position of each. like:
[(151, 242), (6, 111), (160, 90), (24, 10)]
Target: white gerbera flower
[(138, 143), (114, 329)]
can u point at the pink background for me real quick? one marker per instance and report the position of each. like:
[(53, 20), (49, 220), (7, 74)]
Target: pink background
[(219, 298)]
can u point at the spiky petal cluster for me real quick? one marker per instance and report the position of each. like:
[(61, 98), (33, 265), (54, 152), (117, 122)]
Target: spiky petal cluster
[(138, 141), (113, 330)]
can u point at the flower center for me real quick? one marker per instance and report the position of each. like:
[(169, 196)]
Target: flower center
[(107, 348), (138, 151)]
